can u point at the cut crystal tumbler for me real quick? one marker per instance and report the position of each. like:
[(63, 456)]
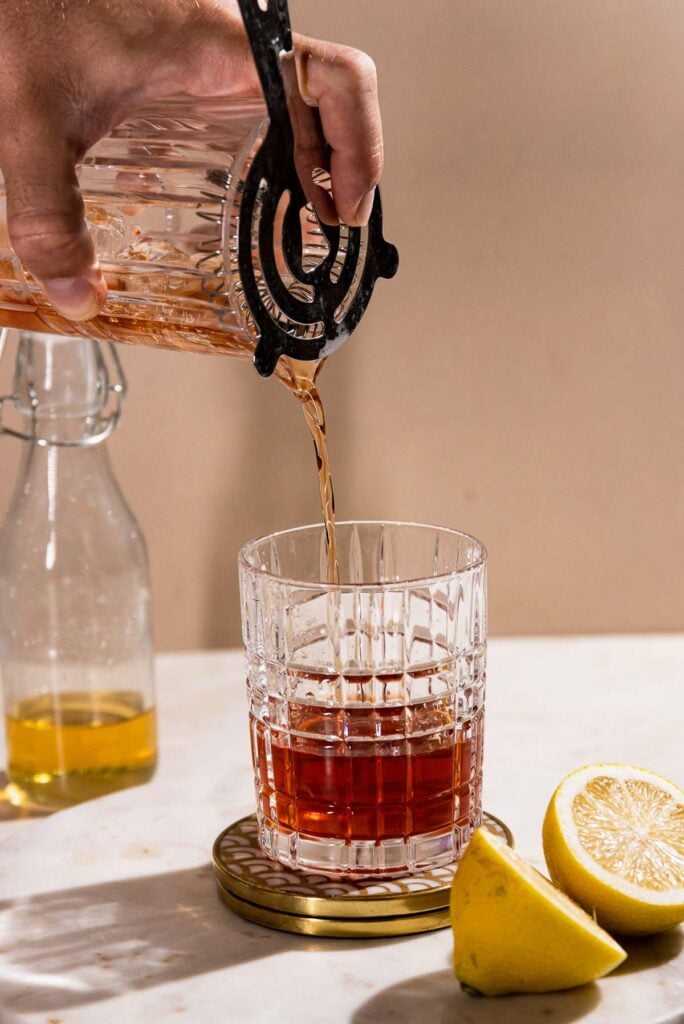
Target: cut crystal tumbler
[(366, 698)]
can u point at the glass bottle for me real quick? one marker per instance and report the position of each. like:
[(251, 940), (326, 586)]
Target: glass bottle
[(75, 637)]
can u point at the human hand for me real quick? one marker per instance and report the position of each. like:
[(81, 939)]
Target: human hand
[(72, 69)]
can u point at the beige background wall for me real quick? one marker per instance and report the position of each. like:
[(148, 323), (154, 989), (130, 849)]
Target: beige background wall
[(521, 378)]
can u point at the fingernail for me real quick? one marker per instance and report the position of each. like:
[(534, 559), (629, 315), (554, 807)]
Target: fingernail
[(75, 297)]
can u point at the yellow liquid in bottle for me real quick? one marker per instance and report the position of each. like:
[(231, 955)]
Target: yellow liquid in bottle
[(68, 747)]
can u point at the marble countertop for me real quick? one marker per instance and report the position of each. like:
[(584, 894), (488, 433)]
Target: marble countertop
[(109, 914)]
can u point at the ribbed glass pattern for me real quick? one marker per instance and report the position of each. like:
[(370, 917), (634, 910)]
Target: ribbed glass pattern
[(162, 198), (366, 699)]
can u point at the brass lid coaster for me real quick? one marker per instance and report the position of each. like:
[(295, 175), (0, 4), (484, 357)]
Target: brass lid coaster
[(268, 893)]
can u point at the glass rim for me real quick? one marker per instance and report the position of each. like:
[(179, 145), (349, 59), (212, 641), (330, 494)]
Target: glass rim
[(323, 586)]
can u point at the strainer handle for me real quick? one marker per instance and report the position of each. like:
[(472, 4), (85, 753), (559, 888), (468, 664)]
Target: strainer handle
[(270, 36)]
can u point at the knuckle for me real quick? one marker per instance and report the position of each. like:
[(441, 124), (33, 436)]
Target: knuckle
[(51, 239), (358, 66)]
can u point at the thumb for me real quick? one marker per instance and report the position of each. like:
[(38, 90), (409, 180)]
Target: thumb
[(47, 228)]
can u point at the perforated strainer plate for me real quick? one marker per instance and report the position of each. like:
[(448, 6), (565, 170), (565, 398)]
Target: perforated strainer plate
[(307, 284)]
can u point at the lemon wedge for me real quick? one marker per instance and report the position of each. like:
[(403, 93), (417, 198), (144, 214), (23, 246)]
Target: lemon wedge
[(515, 932), (614, 841)]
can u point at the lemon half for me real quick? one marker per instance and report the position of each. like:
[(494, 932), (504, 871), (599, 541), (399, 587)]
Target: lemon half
[(614, 841), (515, 932)]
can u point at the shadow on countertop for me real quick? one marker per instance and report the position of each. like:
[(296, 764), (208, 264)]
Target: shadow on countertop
[(649, 951), (78, 946), (437, 998)]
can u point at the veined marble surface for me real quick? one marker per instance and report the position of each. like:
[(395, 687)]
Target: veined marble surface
[(109, 914)]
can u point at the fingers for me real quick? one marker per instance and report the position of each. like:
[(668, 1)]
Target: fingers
[(343, 135), (342, 83), (310, 149), (47, 227)]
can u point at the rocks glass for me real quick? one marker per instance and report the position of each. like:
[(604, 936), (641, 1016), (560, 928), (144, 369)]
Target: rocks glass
[(366, 699)]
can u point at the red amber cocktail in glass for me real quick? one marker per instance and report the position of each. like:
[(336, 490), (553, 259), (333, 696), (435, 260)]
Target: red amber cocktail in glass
[(367, 696)]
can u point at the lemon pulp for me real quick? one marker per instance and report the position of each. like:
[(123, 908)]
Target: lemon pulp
[(614, 841)]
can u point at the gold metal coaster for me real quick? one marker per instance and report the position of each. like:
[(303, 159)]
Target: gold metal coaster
[(269, 893), (337, 927)]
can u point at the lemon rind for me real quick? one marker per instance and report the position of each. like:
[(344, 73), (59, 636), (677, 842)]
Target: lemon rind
[(606, 952), (562, 805), (547, 890)]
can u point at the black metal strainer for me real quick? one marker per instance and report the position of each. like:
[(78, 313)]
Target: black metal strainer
[(307, 284)]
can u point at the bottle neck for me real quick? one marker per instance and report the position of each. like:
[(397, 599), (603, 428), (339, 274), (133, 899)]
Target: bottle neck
[(61, 389), (65, 432)]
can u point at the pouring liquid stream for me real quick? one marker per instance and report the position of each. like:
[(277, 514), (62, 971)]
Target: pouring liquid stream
[(301, 381)]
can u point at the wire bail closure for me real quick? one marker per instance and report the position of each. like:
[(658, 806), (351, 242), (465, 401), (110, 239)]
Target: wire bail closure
[(101, 427)]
